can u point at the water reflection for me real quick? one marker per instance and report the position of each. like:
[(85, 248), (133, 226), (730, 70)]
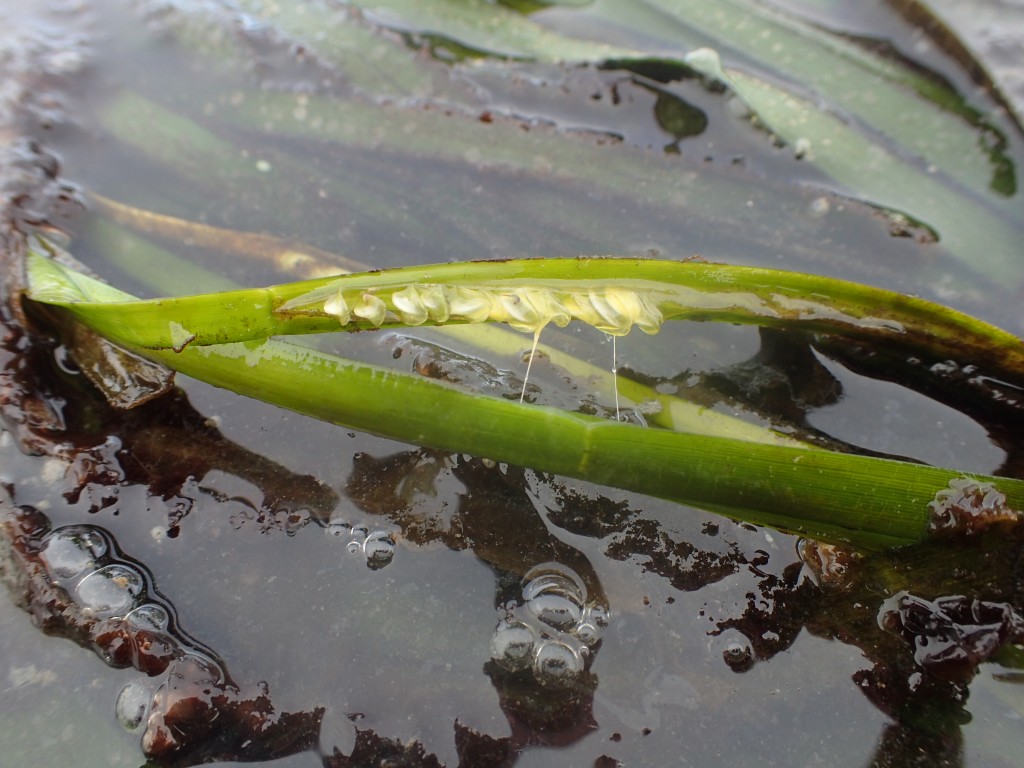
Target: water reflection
[(923, 652), (925, 617), (550, 603), (830, 593)]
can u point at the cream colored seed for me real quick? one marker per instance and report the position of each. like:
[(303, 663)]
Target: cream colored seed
[(649, 319), (612, 310), (337, 306), (473, 306), (582, 308), (521, 313), (550, 306), (410, 306), (626, 303), (435, 302), (372, 309)]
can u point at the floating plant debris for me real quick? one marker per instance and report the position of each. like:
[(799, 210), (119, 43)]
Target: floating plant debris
[(829, 563), (952, 635), (968, 507)]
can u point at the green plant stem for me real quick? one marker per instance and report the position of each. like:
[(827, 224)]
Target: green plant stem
[(690, 290), (863, 501)]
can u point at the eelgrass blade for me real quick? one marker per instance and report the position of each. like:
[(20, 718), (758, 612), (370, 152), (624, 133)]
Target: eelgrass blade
[(208, 156), (669, 290), (285, 256), (875, 172), (140, 259), (863, 501)]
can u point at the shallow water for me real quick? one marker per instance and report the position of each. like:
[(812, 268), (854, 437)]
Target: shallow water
[(367, 587)]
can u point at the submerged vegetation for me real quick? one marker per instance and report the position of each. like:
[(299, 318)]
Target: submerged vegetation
[(841, 363)]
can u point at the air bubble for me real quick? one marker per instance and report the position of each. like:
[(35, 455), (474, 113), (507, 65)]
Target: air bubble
[(379, 549), (338, 528), (819, 207), (110, 590), (376, 546), (132, 705), (149, 616), (738, 655), (512, 645), (590, 628), (357, 537), (588, 633), (803, 149), (556, 664), (71, 551), (555, 595), (555, 610)]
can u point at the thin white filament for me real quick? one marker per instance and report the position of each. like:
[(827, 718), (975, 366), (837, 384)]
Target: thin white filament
[(615, 378), (529, 364)]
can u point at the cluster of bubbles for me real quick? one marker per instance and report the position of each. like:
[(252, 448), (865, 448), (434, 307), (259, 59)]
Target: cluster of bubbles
[(554, 630), (136, 628), (968, 507), (81, 560), (375, 546)]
